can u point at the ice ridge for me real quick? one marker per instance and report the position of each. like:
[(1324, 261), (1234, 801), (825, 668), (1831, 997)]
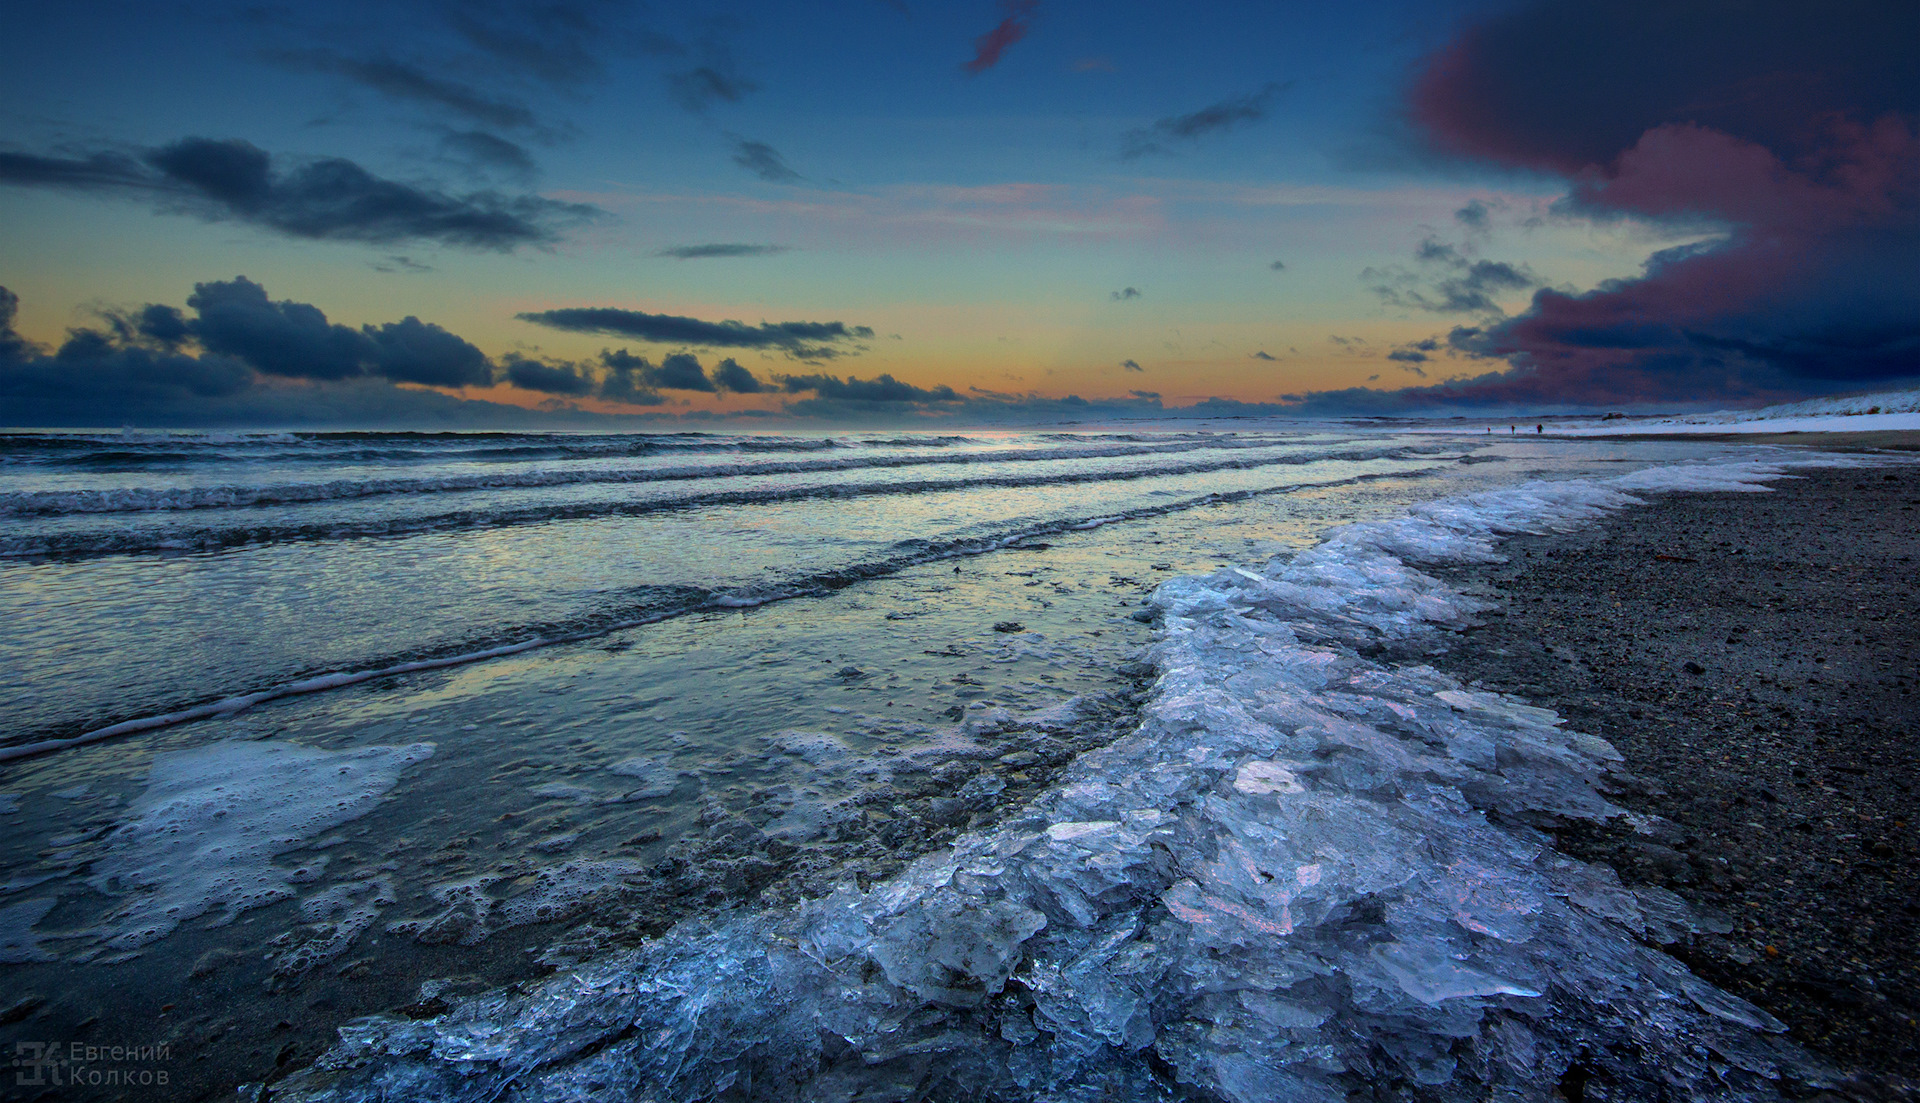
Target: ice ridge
[(1308, 875)]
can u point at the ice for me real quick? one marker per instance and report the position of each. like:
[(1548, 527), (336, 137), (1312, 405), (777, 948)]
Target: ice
[(1305, 876), (204, 834)]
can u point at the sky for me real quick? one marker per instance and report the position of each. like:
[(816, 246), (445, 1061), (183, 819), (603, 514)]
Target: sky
[(485, 213)]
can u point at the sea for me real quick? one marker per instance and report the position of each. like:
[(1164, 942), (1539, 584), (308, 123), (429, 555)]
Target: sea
[(365, 748)]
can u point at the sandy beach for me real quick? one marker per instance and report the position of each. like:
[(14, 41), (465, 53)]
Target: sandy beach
[(1752, 657)]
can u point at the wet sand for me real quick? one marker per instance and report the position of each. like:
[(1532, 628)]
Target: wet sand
[(1754, 658)]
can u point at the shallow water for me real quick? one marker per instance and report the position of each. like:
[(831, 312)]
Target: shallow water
[(824, 673)]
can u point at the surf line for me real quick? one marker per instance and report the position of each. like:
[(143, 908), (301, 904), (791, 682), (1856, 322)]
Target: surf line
[(716, 600)]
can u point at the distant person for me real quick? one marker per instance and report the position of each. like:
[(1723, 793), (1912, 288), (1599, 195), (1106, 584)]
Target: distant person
[(1539, 429), (1513, 429)]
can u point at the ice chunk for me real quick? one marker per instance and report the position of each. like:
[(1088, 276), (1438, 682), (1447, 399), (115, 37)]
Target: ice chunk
[(1267, 777)]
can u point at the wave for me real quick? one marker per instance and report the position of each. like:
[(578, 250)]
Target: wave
[(647, 605), (72, 545), (133, 451), (29, 503)]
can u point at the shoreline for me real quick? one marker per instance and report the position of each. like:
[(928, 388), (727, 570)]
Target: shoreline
[(1743, 652)]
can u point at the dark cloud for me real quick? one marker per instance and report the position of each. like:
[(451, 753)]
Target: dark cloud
[(335, 198), (763, 161), (700, 87), (1132, 365), (626, 379), (490, 151), (1476, 216), (413, 351), (728, 375), (403, 81), (1520, 88), (882, 389), (106, 372), (96, 170), (1449, 282), (163, 324), (1124, 294), (328, 198), (556, 41), (145, 370), (698, 252), (556, 379), (1151, 396), (288, 339), (153, 367), (988, 47), (1225, 115), (1790, 128), (1409, 360), (398, 263), (682, 372), (1278, 266), (1262, 355), (803, 340), (236, 319)]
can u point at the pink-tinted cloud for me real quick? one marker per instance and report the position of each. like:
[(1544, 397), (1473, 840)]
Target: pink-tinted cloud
[(1794, 131), (988, 47)]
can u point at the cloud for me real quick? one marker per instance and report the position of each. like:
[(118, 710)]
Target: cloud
[(489, 151), (1476, 216), (235, 319), (700, 87), (557, 379), (327, 198), (156, 366), (763, 161), (1449, 282), (413, 351), (1124, 294), (288, 339), (1278, 266), (682, 372), (398, 263), (1409, 360), (988, 47), (627, 379), (1788, 129), (697, 252), (1225, 115), (1132, 365), (880, 390), (803, 340), (557, 41), (728, 375), (1151, 396), (96, 170), (402, 81), (1262, 355)]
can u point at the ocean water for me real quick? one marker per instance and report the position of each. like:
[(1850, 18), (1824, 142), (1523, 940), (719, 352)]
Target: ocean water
[(521, 707)]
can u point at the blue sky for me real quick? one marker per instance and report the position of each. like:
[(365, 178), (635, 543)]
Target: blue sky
[(1126, 208)]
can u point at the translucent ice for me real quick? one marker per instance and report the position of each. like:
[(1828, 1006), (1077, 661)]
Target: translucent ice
[(1306, 876)]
